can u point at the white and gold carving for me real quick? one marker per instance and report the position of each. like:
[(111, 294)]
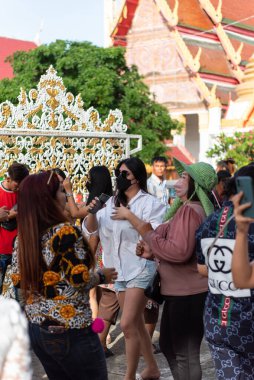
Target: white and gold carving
[(49, 128)]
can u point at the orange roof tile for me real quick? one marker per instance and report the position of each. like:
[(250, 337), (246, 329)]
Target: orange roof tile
[(218, 64), (191, 14), (233, 10), (247, 51)]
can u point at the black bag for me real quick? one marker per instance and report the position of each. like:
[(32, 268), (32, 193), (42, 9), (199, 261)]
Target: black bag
[(152, 290), (9, 225)]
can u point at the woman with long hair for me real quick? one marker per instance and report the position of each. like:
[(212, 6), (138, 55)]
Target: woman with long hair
[(98, 182), (119, 241), (53, 266), (183, 288), (103, 299)]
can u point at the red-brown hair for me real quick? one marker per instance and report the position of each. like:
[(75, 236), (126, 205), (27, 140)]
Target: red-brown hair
[(38, 210)]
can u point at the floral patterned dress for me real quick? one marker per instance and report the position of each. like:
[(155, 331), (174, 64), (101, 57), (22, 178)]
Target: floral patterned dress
[(65, 281)]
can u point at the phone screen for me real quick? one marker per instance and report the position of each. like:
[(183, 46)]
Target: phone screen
[(245, 184)]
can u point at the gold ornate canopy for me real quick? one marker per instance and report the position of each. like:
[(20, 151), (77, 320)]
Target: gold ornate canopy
[(49, 128)]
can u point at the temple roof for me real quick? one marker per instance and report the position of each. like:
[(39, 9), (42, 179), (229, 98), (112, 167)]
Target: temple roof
[(124, 21), (214, 37), (180, 153), (219, 65), (8, 46), (233, 10), (191, 14)]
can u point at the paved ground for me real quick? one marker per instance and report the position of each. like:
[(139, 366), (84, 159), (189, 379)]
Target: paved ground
[(116, 364)]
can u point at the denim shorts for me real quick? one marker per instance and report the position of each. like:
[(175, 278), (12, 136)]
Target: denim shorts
[(140, 281)]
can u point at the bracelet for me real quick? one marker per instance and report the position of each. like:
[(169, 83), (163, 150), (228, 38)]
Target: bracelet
[(69, 194), (102, 277)]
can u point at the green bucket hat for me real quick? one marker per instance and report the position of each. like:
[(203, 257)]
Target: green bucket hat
[(205, 178)]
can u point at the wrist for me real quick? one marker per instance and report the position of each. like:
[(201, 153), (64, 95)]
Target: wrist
[(102, 277), (69, 195), (242, 230)]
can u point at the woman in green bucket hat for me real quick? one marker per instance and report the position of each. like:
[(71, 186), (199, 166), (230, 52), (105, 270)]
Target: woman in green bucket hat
[(172, 244)]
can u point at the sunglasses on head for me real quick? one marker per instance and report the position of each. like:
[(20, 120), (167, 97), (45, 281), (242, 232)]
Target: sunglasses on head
[(123, 173)]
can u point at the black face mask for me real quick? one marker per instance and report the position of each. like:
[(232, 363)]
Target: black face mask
[(88, 186), (123, 183)]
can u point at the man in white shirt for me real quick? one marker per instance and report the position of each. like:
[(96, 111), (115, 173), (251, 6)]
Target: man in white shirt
[(156, 183), (157, 186)]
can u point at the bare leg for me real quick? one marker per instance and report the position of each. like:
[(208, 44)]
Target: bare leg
[(150, 328), (93, 302), (132, 303), (104, 333)]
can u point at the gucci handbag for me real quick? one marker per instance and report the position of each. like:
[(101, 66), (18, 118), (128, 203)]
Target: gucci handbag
[(152, 290)]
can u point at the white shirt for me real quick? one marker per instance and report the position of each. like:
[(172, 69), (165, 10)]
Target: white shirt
[(118, 237), (158, 188)]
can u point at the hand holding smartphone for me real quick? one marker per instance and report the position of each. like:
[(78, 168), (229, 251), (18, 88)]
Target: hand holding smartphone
[(246, 185), (99, 203)]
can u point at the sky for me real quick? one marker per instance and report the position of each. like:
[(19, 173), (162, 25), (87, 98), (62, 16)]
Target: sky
[(79, 20)]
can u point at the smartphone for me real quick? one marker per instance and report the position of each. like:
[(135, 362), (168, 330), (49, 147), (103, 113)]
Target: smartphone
[(245, 184), (99, 203)]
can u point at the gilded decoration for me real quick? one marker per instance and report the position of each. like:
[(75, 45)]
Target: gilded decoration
[(49, 128)]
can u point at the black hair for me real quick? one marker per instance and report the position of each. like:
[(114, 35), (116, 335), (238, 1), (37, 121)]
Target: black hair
[(223, 164), (159, 159), (100, 182), (230, 185), (138, 169), (191, 190), (229, 160), (223, 174), (17, 172), (59, 172)]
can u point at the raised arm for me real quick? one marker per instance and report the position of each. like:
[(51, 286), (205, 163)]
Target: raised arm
[(242, 269), (73, 208)]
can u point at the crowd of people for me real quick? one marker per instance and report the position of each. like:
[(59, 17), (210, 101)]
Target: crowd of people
[(73, 279)]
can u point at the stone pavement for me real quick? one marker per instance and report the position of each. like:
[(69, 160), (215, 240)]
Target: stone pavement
[(116, 363)]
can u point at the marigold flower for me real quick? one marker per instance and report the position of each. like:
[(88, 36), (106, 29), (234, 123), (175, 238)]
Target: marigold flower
[(50, 278), (78, 269), (67, 311)]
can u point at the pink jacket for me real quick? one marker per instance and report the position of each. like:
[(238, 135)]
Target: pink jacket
[(173, 244)]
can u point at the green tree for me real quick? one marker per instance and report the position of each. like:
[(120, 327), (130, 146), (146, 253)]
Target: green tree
[(104, 81), (239, 146)]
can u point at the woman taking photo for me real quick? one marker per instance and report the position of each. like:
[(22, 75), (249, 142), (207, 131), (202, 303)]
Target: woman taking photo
[(53, 266), (229, 311), (119, 240), (183, 288), (98, 182)]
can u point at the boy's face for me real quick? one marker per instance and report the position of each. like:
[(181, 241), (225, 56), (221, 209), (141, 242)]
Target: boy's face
[(12, 185)]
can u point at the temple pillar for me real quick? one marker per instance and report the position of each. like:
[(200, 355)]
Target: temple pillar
[(179, 138), (214, 119), (203, 118)]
